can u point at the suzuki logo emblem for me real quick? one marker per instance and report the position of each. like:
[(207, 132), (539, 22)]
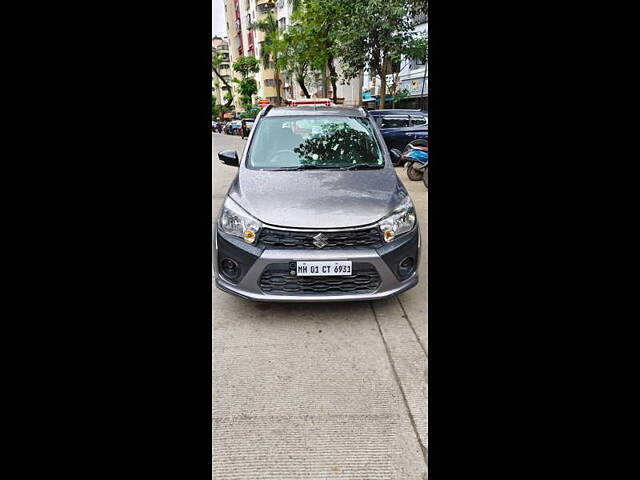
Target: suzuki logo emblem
[(320, 240)]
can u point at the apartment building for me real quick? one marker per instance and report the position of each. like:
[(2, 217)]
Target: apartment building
[(218, 88), (243, 40)]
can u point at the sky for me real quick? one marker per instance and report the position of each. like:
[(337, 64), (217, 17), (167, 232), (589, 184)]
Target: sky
[(219, 24)]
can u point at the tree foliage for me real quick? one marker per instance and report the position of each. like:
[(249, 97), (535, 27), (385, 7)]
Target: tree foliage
[(246, 65), (272, 47), (247, 88), (358, 35), (298, 57), (388, 34), (315, 25)]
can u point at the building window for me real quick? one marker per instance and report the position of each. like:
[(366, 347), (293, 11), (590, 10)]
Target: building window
[(282, 23), (269, 82)]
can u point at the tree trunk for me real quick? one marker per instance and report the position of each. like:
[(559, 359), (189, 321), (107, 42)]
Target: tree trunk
[(324, 82), (303, 87), (300, 74), (332, 76), (360, 85), (383, 90), (277, 75), (225, 84)]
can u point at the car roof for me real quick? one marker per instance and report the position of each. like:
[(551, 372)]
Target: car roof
[(396, 111), (314, 110)]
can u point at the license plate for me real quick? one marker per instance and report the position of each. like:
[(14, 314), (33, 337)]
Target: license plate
[(320, 269)]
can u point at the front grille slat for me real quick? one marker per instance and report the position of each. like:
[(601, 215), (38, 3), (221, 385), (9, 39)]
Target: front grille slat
[(276, 280), (368, 238)]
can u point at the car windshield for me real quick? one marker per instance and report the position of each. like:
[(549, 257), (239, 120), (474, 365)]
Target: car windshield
[(314, 142)]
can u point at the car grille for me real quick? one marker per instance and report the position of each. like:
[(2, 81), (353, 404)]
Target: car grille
[(369, 238), (276, 280)]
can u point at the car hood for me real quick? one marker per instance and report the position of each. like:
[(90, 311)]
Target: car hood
[(318, 198)]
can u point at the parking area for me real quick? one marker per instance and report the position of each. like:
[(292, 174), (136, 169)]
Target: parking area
[(316, 391)]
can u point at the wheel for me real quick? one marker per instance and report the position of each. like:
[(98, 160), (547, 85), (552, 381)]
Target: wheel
[(425, 177), (413, 174)]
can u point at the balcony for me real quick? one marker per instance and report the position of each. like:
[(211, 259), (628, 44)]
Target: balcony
[(264, 6), (250, 40)]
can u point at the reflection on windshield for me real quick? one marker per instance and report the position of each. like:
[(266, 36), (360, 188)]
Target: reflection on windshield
[(337, 145), (314, 142)]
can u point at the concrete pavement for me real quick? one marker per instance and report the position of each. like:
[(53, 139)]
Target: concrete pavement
[(317, 391)]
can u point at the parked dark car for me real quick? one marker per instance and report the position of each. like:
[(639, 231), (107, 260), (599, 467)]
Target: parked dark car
[(399, 127)]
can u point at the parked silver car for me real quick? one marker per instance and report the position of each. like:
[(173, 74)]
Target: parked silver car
[(316, 212)]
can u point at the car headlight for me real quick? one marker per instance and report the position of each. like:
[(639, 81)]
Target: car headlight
[(401, 220), (235, 221)]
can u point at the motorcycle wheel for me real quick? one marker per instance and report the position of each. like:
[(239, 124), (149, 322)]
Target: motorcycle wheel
[(425, 177), (413, 174)]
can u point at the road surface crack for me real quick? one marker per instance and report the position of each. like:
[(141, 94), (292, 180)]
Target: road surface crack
[(397, 378)]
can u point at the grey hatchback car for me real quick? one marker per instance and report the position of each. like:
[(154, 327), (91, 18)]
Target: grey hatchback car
[(316, 212)]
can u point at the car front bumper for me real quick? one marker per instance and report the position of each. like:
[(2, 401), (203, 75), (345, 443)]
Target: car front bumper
[(253, 262)]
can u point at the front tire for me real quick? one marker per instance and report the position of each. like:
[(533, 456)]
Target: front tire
[(413, 174), (425, 177)]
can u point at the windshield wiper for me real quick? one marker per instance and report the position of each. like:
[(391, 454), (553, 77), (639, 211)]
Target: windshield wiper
[(328, 167), (363, 166), (308, 167)]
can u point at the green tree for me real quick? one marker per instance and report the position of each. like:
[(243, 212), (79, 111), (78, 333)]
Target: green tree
[(250, 112), (315, 27), (398, 96), (272, 47), (298, 56), (247, 86), (246, 65), (217, 110), (387, 35)]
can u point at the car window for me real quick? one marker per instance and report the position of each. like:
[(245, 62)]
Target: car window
[(418, 120), (320, 141), (396, 121)]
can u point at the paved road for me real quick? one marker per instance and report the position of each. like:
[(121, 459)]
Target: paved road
[(319, 391)]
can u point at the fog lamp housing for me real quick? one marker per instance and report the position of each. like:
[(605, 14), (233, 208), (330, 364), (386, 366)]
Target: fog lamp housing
[(406, 267)]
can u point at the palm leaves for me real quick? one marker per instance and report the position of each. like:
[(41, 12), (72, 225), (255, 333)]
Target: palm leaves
[(272, 47)]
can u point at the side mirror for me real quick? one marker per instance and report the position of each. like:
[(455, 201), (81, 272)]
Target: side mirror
[(229, 157), (395, 155)]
